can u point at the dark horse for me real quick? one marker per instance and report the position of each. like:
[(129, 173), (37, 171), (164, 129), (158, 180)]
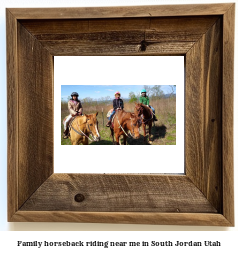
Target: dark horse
[(146, 116), (126, 124)]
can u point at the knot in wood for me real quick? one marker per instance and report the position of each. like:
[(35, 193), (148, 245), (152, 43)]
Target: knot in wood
[(79, 198), (143, 45)]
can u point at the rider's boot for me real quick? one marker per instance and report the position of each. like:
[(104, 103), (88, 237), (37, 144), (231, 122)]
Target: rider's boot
[(109, 123), (66, 133), (154, 118)]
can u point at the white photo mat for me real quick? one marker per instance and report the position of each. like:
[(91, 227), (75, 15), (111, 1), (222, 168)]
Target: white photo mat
[(119, 70)]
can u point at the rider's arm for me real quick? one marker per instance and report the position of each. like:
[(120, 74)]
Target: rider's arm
[(114, 104), (148, 101), (122, 104), (71, 110), (141, 99), (80, 108)]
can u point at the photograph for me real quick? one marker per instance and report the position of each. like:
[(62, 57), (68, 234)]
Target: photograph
[(118, 115)]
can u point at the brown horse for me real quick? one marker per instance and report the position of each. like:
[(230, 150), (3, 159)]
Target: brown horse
[(146, 116), (124, 123), (82, 127)]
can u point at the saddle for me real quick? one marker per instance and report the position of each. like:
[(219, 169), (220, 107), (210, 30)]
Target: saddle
[(70, 121)]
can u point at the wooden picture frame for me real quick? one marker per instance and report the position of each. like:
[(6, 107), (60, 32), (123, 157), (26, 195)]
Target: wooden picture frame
[(204, 34)]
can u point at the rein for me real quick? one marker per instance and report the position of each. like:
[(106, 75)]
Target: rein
[(121, 126), (123, 129), (82, 133), (143, 119)]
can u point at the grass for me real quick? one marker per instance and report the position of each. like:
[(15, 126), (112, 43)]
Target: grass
[(163, 131)]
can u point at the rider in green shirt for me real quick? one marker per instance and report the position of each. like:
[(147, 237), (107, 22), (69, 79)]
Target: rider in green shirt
[(144, 99)]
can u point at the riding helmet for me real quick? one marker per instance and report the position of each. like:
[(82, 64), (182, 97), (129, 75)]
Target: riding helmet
[(143, 91), (74, 94), (117, 93)]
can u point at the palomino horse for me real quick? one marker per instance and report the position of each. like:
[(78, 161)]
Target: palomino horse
[(82, 127), (146, 115), (123, 123)]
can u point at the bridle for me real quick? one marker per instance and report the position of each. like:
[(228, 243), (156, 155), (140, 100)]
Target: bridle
[(131, 135), (139, 110), (133, 127), (81, 133), (140, 114)]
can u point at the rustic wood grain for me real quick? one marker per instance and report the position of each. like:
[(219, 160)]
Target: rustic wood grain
[(12, 116), (203, 115), (174, 36), (121, 11), (35, 132), (141, 193), (34, 36), (192, 219), (227, 113), (74, 48), (178, 25)]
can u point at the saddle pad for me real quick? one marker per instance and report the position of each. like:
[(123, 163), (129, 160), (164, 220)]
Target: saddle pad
[(109, 113), (70, 121)]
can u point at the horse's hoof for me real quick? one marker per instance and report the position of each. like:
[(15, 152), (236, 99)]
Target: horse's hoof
[(150, 142)]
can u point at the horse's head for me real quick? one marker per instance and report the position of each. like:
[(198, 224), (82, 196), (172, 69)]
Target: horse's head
[(92, 126), (138, 110), (134, 126)]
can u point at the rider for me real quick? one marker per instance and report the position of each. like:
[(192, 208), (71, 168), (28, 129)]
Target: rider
[(144, 99), (75, 109), (117, 105)]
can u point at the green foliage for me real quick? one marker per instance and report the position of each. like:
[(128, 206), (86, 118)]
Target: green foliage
[(171, 119), (132, 97)]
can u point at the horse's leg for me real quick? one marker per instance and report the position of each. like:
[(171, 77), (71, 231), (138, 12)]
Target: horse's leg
[(144, 129), (124, 139), (112, 134), (72, 139), (77, 141), (74, 142), (85, 141), (150, 126), (117, 136)]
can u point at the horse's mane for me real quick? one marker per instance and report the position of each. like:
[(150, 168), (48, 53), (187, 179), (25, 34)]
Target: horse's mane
[(146, 108)]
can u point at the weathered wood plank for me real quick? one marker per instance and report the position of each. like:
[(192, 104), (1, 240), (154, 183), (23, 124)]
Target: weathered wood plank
[(12, 116), (227, 113), (203, 114), (119, 36), (120, 11), (177, 25), (192, 219), (141, 193), (75, 48), (35, 131)]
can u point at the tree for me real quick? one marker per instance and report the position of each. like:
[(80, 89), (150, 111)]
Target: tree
[(172, 90), (148, 90), (132, 97), (87, 100), (157, 91)]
